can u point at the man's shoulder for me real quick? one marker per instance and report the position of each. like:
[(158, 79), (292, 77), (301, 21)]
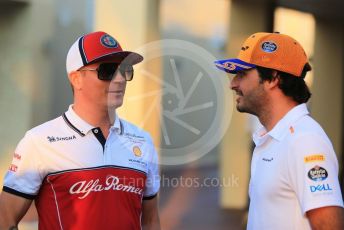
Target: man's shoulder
[(307, 130), (307, 126), (48, 126)]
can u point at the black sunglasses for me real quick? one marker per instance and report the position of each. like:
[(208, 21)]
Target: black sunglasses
[(107, 71)]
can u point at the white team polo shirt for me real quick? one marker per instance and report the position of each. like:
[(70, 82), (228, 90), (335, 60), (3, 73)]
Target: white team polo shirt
[(79, 179), (294, 169)]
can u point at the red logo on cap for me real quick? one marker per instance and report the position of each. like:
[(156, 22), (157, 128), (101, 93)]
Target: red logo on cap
[(108, 41)]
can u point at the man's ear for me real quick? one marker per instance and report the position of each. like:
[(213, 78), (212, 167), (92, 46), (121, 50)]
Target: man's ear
[(274, 81), (75, 79)]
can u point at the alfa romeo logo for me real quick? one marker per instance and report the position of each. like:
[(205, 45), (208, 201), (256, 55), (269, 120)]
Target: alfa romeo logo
[(108, 41)]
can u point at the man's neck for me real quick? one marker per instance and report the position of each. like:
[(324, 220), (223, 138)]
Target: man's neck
[(96, 116), (274, 112)]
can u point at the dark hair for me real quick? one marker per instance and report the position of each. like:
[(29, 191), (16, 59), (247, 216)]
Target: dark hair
[(292, 86)]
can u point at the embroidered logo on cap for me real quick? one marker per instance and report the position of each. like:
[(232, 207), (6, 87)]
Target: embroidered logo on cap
[(108, 41), (230, 65), (269, 47)]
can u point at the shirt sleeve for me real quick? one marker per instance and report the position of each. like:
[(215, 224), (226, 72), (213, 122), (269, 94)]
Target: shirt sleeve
[(313, 171), (153, 177), (23, 177)]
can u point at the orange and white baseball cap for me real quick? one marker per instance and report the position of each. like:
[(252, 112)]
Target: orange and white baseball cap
[(95, 47), (270, 50)]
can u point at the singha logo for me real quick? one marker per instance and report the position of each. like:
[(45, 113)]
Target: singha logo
[(55, 139), (51, 139)]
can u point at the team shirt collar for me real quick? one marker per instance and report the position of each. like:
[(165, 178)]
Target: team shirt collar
[(282, 127), (81, 126), (117, 125)]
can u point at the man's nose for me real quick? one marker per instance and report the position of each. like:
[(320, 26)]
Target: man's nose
[(234, 83), (118, 77)]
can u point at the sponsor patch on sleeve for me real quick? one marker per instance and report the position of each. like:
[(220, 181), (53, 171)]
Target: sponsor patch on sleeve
[(317, 173), (314, 158)]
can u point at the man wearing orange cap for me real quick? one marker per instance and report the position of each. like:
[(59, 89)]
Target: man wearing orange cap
[(87, 169), (294, 170)]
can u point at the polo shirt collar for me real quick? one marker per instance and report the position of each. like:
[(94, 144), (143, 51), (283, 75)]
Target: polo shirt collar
[(117, 125), (282, 126), (79, 125), (76, 123)]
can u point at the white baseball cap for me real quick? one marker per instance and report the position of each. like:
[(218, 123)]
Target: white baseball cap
[(98, 46)]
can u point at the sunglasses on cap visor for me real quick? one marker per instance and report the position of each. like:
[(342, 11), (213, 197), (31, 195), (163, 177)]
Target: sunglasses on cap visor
[(108, 71)]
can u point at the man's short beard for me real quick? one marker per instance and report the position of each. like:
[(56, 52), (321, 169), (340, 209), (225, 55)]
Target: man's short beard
[(245, 110)]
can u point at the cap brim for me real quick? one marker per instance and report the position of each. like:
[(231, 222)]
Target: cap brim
[(233, 65), (122, 56)]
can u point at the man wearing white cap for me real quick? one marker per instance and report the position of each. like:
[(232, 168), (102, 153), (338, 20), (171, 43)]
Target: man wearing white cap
[(87, 169), (294, 170)]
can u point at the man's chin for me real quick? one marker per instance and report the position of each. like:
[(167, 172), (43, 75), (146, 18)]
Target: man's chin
[(240, 108), (243, 109), (114, 105)]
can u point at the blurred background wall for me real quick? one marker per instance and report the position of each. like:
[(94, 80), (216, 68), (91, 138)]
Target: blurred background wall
[(35, 38)]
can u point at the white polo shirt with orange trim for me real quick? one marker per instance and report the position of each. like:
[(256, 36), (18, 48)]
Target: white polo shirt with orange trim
[(79, 179), (294, 169)]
